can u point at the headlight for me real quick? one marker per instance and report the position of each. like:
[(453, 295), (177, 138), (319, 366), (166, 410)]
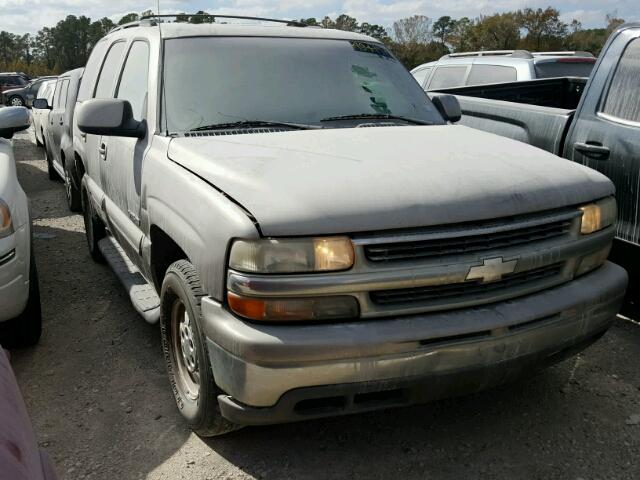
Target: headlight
[(599, 215), (293, 309), (322, 254), (6, 226)]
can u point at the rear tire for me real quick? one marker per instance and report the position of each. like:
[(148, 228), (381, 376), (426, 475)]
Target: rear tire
[(185, 351), (93, 227), (26, 329), (74, 198), (53, 175)]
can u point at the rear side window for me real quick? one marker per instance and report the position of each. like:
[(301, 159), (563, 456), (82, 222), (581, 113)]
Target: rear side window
[(106, 80), (56, 94), (421, 75), (135, 74), (565, 67), (61, 98), (483, 74), (623, 99), (445, 77), (91, 71)]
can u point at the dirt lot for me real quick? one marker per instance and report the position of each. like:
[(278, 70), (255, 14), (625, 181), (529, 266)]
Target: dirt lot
[(101, 405)]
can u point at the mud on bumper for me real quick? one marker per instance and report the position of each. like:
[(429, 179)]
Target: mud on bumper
[(275, 374)]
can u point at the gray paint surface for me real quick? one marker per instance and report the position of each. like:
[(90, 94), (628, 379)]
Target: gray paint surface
[(367, 179)]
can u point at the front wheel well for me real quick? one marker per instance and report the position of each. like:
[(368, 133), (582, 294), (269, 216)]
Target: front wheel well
[(164, 251)]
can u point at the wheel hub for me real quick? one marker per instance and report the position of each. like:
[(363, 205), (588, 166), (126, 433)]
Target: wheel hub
[(186, 344)]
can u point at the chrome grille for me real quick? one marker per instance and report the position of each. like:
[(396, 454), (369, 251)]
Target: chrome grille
[(450, 293), (470, 239)]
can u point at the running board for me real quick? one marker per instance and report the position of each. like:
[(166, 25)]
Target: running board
[(143, 296)]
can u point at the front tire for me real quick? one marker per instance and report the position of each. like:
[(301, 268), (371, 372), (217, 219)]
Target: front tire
[(93, 227), (16, 101), (185, 352), (25, 330), (74, 197)]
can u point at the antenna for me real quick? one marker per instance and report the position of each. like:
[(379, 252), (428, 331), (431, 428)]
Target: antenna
[(163, 101), (158, 7)]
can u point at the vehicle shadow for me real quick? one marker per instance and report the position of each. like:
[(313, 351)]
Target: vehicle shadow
[(96, 384)]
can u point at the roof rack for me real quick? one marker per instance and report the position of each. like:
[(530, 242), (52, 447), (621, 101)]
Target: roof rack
[(518, 54), (150, 20), (576, 53)]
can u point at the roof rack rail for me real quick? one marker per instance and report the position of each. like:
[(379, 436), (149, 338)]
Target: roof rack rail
[(484, 53), (576, 53), (213, 16)]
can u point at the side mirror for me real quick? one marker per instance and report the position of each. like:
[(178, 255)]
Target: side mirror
[(448, 106), (41, 103), (110, 117), (12, 120)]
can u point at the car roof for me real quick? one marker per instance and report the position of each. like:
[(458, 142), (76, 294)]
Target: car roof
[(505, 60), (178, 30)]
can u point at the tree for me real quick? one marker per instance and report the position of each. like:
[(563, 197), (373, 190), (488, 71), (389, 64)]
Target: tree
[(442, 29), (495, 32), (347, 23), (129, 17), (312, 22), (416, 29), (328, 23), (544, 28), (613, 21), (376, 31), (461, 36)]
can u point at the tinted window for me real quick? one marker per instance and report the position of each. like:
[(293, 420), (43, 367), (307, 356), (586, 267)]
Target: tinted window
[(569, 67), (56, 94), (445, 77), (483, 74), (421, 75), (91, 71), (623, 100), (61, 99), (285, 79), (106, 81), (133, 83)]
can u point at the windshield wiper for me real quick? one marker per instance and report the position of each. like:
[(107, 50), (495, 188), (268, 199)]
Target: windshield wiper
[(376, 116), (253, 123)]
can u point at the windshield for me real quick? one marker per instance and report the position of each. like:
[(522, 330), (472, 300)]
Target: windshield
[(565, 68), (220, 80)]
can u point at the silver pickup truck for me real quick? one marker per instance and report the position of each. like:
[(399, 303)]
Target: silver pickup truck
[(314, 235)]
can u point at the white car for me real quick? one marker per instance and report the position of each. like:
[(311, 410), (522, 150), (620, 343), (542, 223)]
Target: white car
[(41, 115), (20, 316)]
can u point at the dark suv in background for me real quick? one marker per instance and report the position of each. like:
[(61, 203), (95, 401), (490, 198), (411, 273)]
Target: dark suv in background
[(10, 81), (24, 95)]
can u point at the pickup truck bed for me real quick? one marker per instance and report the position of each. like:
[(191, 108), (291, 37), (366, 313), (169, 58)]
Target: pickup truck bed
[(537, 112)]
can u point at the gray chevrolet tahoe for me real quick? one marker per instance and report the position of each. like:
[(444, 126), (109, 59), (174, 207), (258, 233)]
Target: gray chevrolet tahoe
[(315, 236)]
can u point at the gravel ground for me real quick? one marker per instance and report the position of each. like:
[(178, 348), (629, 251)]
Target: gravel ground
[(101, 405)]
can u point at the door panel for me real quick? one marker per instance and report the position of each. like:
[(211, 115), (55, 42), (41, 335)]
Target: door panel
[(606, 133), (121, 167)]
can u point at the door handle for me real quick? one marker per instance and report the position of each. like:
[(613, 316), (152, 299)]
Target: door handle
[(103, 151), (592, 150), (61, 122), (83, 136)]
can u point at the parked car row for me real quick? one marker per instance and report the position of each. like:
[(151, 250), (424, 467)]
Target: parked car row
[(23, 95), (330, 242)]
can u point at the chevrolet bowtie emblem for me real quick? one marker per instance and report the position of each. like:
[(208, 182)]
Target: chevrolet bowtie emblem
[(492, 270)]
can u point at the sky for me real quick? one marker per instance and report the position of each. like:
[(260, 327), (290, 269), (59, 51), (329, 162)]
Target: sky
[(28, 16)]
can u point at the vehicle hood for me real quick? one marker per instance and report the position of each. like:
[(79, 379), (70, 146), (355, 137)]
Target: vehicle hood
[(365, 179)]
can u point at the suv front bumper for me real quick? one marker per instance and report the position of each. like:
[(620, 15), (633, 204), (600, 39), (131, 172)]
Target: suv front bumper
[(278, 373)]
